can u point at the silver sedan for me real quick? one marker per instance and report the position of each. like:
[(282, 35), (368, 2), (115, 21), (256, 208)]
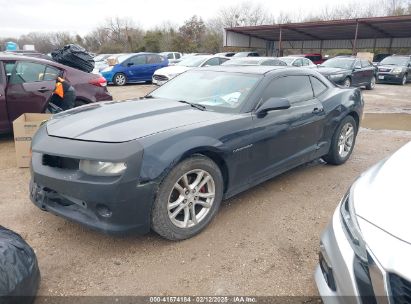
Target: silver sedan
[(365, 251)]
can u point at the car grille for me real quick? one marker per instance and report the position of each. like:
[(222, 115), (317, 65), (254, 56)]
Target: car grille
[(60, 162), (160, 77), (400, 289), (384, 70)]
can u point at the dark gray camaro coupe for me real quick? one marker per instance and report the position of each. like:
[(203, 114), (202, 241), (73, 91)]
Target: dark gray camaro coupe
[(166, 161)]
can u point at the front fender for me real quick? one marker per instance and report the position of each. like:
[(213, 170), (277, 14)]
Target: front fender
[(159, 159)]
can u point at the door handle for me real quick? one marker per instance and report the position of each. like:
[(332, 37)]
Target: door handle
[(317, 110), (43, 90)]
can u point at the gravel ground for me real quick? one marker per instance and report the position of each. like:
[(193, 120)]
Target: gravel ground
[(262, 242)]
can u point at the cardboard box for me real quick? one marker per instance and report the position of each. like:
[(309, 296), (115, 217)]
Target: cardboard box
[(24, 129)]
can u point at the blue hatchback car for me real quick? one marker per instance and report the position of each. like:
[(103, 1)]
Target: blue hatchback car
[(135, 67)]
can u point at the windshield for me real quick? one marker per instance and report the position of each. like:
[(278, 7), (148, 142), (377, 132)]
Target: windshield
[(245, 61), (217, 91), (394, 60), (342, 63), (192, 61)]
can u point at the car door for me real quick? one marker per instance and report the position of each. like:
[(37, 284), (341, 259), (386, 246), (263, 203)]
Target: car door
[(154, 62), (4, 118), (287, 138), (137, 68), (368, 71), (357, 74), (29, 88)]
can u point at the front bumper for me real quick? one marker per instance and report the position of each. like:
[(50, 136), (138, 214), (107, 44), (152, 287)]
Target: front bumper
[(346, 279), (108, 76), (389, 78), (114, 205)]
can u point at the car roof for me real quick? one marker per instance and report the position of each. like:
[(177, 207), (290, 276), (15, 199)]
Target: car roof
[(246, 69), (5, 56)]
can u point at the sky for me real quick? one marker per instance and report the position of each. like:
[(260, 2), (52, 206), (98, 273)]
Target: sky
[(19, 17)]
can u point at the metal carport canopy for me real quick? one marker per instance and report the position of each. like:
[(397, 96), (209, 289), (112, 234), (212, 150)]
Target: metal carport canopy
[(372, 29)]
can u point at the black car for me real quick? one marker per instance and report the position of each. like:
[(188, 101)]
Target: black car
[(349, 71), (395, 69), (166, 161)]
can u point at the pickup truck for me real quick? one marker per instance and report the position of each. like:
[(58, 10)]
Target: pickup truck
[(27, 83)]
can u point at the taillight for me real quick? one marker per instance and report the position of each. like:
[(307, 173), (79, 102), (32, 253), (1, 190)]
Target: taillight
[(100, 82)]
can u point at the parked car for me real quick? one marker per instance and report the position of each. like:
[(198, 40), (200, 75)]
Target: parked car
[(27, 83), (314, 57), (349, 71), (163, 75), (395, 69), (269, 61), (247, 54), (378, 58), (365, 250), (135, 67), (100, 62), (173, 57), (297, 61), (226, 54), (166, 161)]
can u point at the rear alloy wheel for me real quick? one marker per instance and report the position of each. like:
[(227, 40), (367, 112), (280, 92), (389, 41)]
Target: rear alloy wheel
[(188, 198), (404, 80), (119, 79), (347, 82), (371, 85), (342, 142)]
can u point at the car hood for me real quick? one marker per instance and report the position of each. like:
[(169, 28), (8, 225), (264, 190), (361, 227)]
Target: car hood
[(382, 194), (389, 67), (174, 69), (329, 71), (126, 120)]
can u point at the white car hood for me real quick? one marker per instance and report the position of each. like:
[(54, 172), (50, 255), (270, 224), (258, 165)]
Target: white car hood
[(382, 195), (170, 70)]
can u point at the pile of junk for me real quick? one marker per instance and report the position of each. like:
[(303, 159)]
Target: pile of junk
[(74, 56)]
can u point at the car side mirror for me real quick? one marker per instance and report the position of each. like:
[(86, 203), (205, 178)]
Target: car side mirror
[(272, 104), (130, 64)]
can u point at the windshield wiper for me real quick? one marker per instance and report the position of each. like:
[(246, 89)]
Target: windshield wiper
[(194, 105)]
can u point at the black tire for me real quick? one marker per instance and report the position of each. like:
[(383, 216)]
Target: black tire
[(333, 156), (404, 79), (19, 271), (347, 82), (119, 79), (148, 82), (160, 219), (372, 83)]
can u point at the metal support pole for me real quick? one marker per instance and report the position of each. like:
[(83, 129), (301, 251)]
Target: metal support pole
[(321, 47), (279, 42), (354, 46), (375, 45)]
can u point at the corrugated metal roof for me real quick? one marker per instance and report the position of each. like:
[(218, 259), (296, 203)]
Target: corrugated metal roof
[(368, 28)]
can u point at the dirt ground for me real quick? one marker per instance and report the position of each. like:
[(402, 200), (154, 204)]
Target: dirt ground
[(262, 242)]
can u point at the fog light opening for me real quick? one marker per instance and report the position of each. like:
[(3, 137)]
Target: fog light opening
[(327, 272), (104, 211)]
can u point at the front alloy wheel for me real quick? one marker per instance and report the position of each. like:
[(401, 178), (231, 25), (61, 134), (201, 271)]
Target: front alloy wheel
[(188, 198), (191, 198), (404, 80), (346, 140), (119, 79)]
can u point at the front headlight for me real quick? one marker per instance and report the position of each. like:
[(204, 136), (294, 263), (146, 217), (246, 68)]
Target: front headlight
[(351, 227), (101, 168), (335, 76), (396, 70)]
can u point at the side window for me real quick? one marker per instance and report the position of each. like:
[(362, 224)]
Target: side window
[(298, 63), (365, 63), (318, 86), (212, 61), (138, 60), (306, 62), (177, 55), (295, 88), (153, 59), (222, 60), (27, 72), (9, 67), (357, 64), (51, 73), (170, 56)]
